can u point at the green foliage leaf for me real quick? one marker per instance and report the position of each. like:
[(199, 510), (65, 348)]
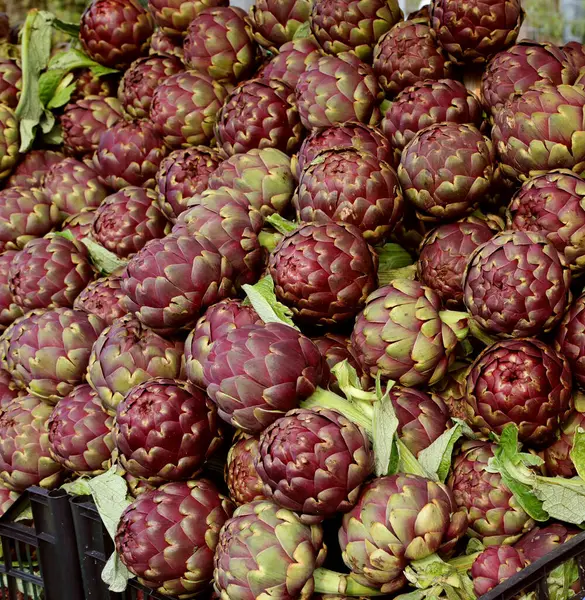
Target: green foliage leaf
[(384, 426), (71, 29), (265, 303), (436, 458), (577, 453), (394, 263)]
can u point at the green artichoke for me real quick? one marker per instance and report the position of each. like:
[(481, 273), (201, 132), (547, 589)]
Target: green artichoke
[(494, 565), (10, 82), (241, 475), (173, 16), (275, 22), (167, 537), (80, 433), (9, 309), (494, 514), (292, 59), (570, 339), (126, 354), (9, 141), (25, 458), (32, 168), (517, 285), (102, 297), (265, 550)]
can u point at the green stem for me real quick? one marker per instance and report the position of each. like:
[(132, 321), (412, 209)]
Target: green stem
[(464, 563), (281, 224), (330, 582), (269, 240), (408, 462), (479, 334)]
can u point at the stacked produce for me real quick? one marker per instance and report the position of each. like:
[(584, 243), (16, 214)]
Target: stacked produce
[(309, 296)]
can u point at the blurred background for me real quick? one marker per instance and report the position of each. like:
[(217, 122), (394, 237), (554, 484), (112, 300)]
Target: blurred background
[(558, 21)]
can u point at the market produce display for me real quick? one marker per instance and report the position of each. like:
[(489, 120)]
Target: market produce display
[(298, 293)]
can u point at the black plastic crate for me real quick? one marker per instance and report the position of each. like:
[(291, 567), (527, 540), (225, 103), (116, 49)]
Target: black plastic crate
[(39, 557)]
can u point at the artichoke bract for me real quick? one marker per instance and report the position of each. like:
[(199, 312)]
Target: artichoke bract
[(218, 320), (275, 22), (9, 309), (10, 82), (516, 285), (241, 475), (353, 26), (575, 53), (494, 565), (47, 351), (126, 354), (570, 339), (337, 89), (447, 169), (184, 108), (49, 273), (163, 45), (8, 389), (102, 297), (520, 67), (540, 130), (191, 515), (7, 499), (407, 54), (183, 174), (557, 456), (80, 433), (427, 103), (141, 80), (324, 272), (80, 225), (401, 334), (396, 520), (165, 430), (84, 122), (314, 462), (127, 220), (263, 175), (444, 254), (474, 32), (257, 373), (88, 84), (292, 59), (115, 32), (553, 205), (218, 44), (9, 141), (524, 382), (350, 186), (274, 550), (25, 458), (173, 16), (357, 136), (542, 540), (259, 113), (494, 514), (32, 168)]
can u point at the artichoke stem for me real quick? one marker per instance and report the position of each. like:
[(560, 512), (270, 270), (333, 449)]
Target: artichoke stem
[(408, 461), (269, 240), (330, 582)]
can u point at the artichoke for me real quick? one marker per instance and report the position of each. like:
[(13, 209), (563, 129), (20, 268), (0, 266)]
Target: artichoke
[(542, 540), (126, 354), (401, 334), (259, 113), (292, 59), (183, 174), (324, 272), (167, 537), (8, 389), (80, 433), (80, 225), (88, 84), (475, 31), (516, 285), (241, 475), (129, 154), (396, 520), (218, 320), (553, 205), (165, 430), (10, 82), (557, 459), (570, 339), (141, 80), (494, 565), (102, 297), (72, 186), (314, 462), (32, 168), (128, 219), (353, 26), (275, 22), (171, 280), (407, 54), (444, 254), (428, 103), (163, 45), (521, 66), (494, 514), (540, 130), (257, 373), (25, 214), (336, 89), (218, 44), (447, 169), (356, 136), (115, 32), (575, 53), (49, 273), (173, 16), (7, 499), (184, 108), (524, 382), (9, 141), (264, 549), (25, 458), (9, 309), (350, 186), (452, 388)]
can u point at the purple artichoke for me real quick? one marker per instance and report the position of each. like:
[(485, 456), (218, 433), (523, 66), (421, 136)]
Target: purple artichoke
[(494, 565), (10, 82), (241, 476), (557, 459), (570, 339), (9, 308), (275, 22), (575, 53), (163, 45), (257, 373), (102, 297), (32, 168), (80, 225), (173, 16), (88, 84), (292, 60), (541, 540)]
